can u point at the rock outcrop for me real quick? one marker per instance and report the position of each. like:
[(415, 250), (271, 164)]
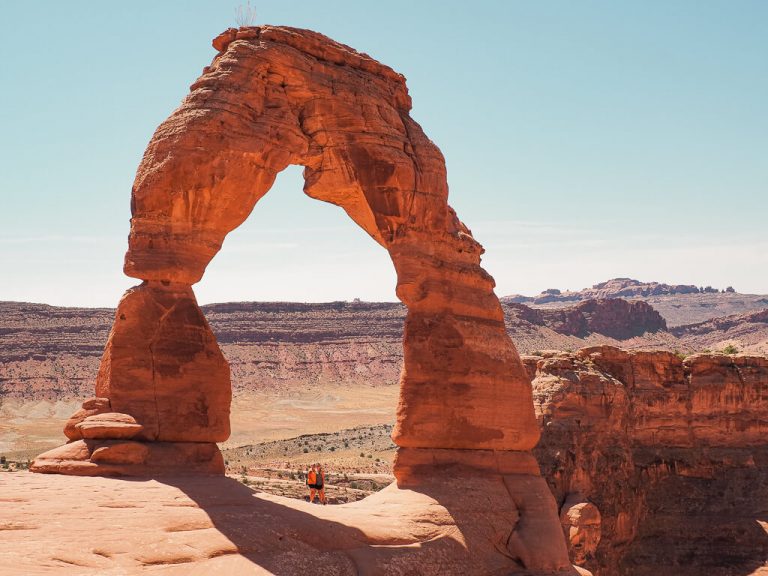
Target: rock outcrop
[(656, 461), (615, 318), (276, 96)]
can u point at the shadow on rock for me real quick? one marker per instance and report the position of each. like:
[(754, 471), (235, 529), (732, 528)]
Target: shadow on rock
[(468, 527)]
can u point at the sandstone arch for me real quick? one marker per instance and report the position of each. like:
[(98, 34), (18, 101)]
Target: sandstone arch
[(272, 97), (276, 97)]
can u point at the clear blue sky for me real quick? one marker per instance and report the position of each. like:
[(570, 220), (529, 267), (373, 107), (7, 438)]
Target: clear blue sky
[(584, 140)]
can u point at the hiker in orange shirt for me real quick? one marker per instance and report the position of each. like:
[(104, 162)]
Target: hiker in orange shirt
[(312, 482)]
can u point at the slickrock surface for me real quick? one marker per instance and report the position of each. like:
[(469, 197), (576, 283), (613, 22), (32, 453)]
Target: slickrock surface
[(66, 525), (672, 453)]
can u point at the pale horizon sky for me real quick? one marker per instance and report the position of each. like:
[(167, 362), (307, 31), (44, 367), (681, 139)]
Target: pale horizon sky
[(584, 141)]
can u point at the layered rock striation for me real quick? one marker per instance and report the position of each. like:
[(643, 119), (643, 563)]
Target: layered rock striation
[(656, 461)]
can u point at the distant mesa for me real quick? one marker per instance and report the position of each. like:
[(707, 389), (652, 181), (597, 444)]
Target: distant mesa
[(616, 288)]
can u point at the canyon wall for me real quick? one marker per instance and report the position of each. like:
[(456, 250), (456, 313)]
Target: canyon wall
[(52, 354), (659, 464)]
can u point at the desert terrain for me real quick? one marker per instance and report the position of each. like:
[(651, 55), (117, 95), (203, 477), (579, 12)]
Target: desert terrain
[(317, 368)]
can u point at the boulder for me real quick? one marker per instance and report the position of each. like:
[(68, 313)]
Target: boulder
[(111, 425)]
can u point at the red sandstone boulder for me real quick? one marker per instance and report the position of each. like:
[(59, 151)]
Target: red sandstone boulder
[(582, 526), (112, 425), (121, 453), (91, 407)]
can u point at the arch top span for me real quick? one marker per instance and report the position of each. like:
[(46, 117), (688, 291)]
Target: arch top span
[(276, 96)]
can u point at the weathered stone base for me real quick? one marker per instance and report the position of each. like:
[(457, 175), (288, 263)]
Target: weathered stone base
[(497, 498), (131, 458), (475, 526)]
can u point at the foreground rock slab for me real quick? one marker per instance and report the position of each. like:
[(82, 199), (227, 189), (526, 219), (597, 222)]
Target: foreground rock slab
[(215, 525)]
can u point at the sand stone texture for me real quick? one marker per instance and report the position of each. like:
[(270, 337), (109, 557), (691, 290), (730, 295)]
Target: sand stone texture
[(469, 498), (659, 464)]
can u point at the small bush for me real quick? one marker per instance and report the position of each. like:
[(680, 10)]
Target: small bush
[(730, 349), (306, 450)]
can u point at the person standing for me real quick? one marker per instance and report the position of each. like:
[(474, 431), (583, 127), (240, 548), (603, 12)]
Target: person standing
[(312, 482), (320, 483)]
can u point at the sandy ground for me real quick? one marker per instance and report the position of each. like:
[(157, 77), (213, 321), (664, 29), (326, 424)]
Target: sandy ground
[(31, 427), (260, 417)]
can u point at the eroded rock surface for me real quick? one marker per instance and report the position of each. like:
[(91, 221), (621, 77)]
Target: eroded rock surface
[(671, 452), (215, 525)]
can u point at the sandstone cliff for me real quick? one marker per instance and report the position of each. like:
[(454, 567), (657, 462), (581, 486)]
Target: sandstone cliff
[(660, 465), (614, 318)]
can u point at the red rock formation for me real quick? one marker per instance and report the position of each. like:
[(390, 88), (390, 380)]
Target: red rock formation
[(672, 453), (344, 117), (163, 366), (277, 96), (615, 318)]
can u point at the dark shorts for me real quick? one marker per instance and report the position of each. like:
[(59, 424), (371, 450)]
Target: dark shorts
[(316, 486)]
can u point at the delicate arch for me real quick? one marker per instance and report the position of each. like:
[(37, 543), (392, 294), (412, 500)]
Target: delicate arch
[(275, 96)]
